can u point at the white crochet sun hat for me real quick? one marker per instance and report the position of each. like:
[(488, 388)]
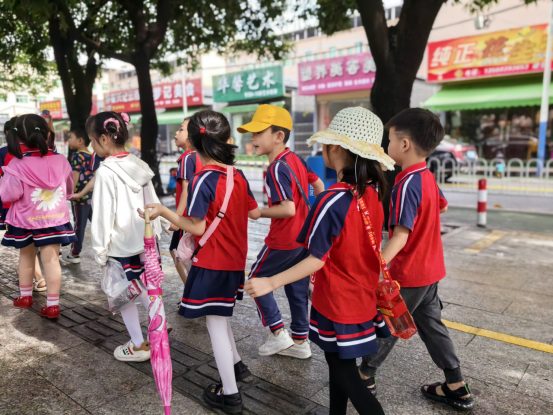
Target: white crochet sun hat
[(358, 130)]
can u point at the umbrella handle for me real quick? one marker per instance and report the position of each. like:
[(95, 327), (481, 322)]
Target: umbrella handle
[(167, 410)]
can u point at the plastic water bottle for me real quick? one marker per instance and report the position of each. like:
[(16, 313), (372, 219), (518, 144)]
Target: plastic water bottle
[(393, 309)]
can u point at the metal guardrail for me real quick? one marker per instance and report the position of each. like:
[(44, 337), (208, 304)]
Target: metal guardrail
[(512, 177)]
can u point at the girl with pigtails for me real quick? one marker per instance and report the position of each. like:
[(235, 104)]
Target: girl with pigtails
[(38, 183), (117, 230), (217, 210)]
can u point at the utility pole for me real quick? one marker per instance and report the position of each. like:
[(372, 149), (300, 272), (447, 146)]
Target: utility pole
[(544, 111)]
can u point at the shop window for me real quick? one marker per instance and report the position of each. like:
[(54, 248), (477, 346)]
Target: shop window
[(40, 99), (333, 52), (21, 99), (358, 47), (341, 52), (350, 51), (308, 56)]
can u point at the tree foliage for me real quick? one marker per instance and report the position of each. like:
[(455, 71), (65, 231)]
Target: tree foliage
[(24, 64)]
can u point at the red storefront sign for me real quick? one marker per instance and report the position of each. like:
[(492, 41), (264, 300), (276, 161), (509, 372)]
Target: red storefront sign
[(508, 52), (342, 74), (165, 96), (55, 108)]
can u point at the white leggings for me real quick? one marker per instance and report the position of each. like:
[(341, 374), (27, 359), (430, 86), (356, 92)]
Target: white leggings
[(224, 349), (132, 322)]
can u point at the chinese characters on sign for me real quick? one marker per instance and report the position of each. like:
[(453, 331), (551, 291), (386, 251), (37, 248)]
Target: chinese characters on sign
[(347, 73), (513, 51), (55, 108), (165, 96), (247, 85)]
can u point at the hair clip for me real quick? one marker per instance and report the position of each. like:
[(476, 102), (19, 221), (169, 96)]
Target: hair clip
[(37, 128), (125, 118), (113, 120), (202, 130), (14, 128)]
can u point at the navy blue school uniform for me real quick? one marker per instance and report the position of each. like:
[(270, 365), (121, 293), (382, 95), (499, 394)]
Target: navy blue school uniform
[(344, 318), (188, 165), (19, 238), (216, 279), (281, 251), (132, 265)]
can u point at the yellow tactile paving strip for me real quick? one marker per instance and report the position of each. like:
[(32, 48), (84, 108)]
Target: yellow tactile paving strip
[(543, 347)]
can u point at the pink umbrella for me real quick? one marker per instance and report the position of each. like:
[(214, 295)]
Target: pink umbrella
[(159, 340)]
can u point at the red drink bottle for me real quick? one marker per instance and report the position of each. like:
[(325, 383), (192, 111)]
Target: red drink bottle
[(388, 299), (393, 309)]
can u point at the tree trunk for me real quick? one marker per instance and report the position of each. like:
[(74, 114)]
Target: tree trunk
[(77, 83), (398, 52), (149, 131)]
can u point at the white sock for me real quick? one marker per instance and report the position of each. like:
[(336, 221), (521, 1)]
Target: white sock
[(235, 356), (26, 290), (144, 299), (52, 299), (222, 349), (132, 322)]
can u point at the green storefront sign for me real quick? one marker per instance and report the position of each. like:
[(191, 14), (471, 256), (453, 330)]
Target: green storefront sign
[(249, 85)]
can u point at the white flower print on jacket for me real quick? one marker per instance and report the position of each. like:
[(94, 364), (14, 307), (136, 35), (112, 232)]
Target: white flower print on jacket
[(49, 199)]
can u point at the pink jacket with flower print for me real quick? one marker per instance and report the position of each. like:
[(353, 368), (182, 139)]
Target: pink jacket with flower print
[(39, 188)]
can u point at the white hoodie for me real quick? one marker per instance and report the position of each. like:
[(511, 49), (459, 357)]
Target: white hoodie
[(117, 230)]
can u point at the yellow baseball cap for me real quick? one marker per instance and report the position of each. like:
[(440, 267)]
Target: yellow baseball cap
[(265, 116)]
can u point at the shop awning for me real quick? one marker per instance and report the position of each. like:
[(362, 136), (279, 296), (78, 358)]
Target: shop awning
[(233, 109), (514, 92), (175, 117)]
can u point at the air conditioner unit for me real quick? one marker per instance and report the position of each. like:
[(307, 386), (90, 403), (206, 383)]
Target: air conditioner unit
[(481, 22)]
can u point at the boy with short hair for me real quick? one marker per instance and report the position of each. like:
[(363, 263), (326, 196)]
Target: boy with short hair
[(271, 126), (415, 252), (81, 163)]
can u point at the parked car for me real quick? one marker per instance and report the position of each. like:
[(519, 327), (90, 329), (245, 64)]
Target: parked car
[(523, 147), (460, 154)]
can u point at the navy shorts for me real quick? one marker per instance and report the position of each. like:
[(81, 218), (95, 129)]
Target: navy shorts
[(211, 293), (57, 235), (175, 239), (348, 340), (3, 214), (132, 266)]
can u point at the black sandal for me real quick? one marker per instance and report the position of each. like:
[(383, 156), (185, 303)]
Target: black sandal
[(452, 398), (370, 382)]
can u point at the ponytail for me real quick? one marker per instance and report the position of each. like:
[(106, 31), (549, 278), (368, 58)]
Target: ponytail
[(365, 173), (209, 132), (13, 143), (31, 130)]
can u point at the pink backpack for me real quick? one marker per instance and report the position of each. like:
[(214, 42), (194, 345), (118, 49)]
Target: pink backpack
[(187, 250)]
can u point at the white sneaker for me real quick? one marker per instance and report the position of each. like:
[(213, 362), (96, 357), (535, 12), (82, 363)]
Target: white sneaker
[(299, 351), (276, 344), (72, 259), (130, 353)]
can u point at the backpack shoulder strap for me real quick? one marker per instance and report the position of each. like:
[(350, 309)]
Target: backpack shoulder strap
[(221, 214), (305, 198)]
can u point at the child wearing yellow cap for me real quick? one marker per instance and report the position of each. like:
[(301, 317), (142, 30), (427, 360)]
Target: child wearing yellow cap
[(287, 185)]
